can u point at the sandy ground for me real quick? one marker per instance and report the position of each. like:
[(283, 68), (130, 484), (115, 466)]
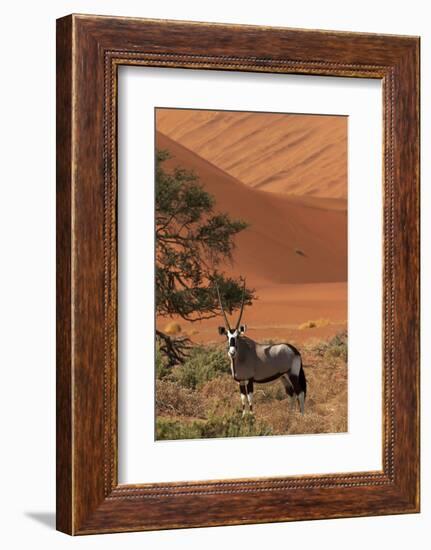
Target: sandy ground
[(279, 312)]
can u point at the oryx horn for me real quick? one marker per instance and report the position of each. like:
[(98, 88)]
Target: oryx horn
[(222, 310), (242, 305)]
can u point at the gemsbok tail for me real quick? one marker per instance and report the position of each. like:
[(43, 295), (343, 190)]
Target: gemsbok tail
[(302, 380)]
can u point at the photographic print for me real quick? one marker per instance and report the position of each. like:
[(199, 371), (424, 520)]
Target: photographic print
[(251, 273)]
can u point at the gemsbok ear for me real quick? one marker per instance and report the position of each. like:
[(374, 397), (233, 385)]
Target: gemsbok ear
[(221, 330), (243, 328)]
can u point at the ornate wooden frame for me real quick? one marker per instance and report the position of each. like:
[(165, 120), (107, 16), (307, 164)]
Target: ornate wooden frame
[(89, 51)]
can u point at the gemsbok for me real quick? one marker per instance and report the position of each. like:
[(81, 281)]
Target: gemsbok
[(251, 362)]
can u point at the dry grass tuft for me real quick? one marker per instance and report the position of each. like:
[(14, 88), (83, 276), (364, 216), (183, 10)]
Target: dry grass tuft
[(221, 396), (172, 328), (172, 399), (314, 324)]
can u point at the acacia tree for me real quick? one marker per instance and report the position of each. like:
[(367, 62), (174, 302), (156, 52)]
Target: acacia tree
[(192, 240)]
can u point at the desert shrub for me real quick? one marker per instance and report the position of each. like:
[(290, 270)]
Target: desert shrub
[(167, 428), (203, 364), (336, 348), (176, 400), (234, 426), (162, 368), (270, 392), (221, 395), (216, 426)]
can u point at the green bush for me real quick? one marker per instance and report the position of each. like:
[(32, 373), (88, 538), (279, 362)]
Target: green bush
[(203, 364), (234, 426), (162, 369), (216, 426), (175, 429), (336, 348)]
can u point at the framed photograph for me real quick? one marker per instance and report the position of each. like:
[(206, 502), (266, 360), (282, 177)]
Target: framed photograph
[(237, 274)]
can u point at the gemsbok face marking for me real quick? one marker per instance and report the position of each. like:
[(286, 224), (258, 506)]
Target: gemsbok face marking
[(232, 338), (262, 363)]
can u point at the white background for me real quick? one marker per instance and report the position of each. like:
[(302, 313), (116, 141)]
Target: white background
[(141, 458), (27, 237)]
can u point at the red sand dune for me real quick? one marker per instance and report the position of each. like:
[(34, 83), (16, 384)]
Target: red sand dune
[(295, 154), (288, 240)]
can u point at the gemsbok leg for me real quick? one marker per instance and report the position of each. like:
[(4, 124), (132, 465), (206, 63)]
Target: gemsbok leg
[(249, 388), (243, 390), (246, 389), (295, 386), (288, 386)]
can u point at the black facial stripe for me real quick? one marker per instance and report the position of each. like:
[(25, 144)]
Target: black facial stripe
[(232, 342)]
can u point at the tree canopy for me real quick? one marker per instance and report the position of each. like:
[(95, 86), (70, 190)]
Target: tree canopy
[(193, 242)]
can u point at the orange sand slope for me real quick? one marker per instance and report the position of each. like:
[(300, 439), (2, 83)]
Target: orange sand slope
[(289, 240), (294, 154)]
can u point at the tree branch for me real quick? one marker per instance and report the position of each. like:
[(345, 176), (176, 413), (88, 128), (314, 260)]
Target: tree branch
[(175, 349)]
